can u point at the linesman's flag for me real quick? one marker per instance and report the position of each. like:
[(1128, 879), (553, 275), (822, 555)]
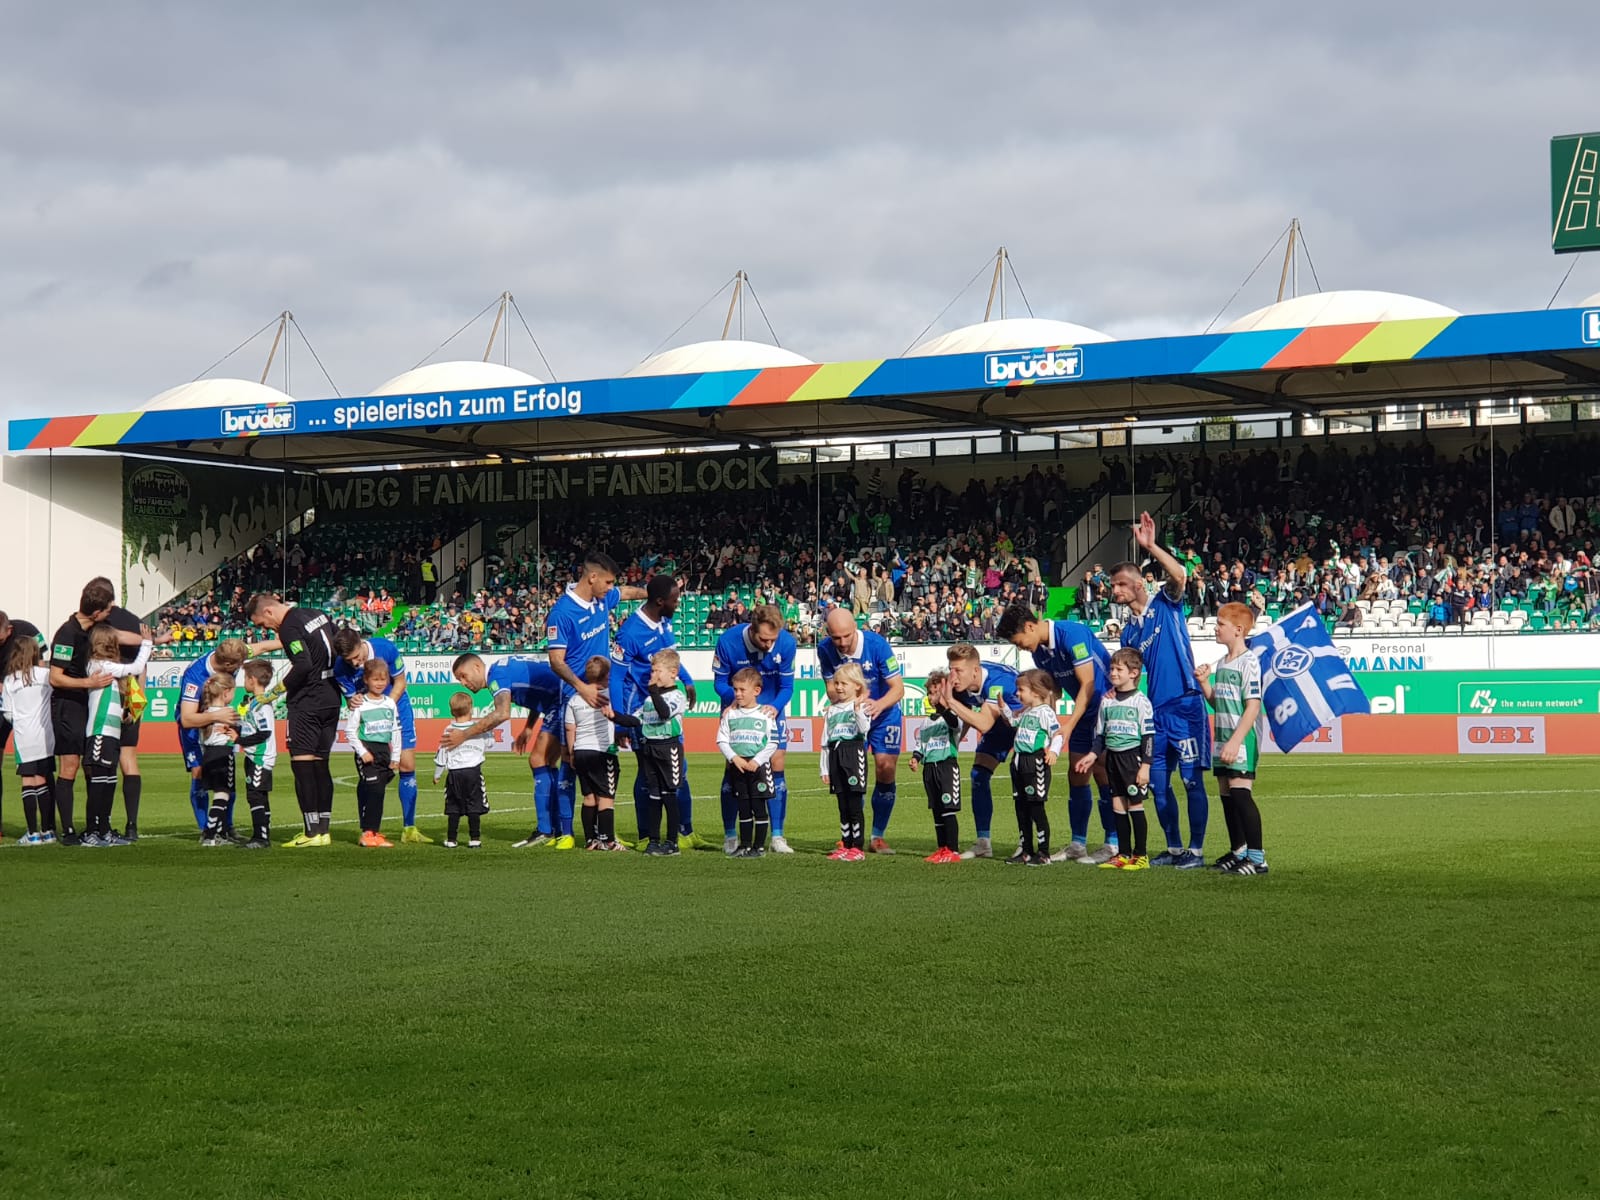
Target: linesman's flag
[(1304, 682)]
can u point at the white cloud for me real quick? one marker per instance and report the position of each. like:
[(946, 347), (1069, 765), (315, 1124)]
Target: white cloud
[(386, 174)]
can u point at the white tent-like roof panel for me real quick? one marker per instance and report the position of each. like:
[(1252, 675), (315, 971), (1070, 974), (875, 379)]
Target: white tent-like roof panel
[(461, 376), (1009, 333), (729, 354), (1338, 308), (1590, 301), (216, 393)]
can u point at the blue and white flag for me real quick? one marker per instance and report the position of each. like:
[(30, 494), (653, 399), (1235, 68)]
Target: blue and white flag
[(1304, 682)]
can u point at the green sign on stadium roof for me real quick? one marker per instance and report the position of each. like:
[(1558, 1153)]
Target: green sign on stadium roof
[(1575, 192)]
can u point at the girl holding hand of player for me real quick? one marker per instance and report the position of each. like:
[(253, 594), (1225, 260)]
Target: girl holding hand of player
[(846, 722), (373, 731), (103, 749), (1038, 744)]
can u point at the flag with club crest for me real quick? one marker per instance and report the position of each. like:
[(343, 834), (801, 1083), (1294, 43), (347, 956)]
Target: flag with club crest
[(1305, 684)]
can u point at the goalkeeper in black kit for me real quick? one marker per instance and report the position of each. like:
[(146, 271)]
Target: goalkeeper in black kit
[(312, 698)]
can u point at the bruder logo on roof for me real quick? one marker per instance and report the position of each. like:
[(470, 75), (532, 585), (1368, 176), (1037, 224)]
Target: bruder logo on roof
[(1028, 366), (258, 418)]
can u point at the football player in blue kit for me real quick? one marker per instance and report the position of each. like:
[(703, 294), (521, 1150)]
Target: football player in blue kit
[(886, 689), (647, 630), (531, 685), (578, 629), (1071, 654), (766, 646), (1156, 628), (975, 692), (354, 650)]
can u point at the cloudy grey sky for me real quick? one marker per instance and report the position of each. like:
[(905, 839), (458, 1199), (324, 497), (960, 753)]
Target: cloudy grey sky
[(172, 175)]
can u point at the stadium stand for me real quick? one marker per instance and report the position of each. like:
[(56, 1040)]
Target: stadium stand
[(1381, 537)]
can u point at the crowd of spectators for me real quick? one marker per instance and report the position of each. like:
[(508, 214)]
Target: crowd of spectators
[(1332, 523), (1334, 526)]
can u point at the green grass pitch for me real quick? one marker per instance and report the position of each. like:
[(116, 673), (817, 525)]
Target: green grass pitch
[(1405, 1007)]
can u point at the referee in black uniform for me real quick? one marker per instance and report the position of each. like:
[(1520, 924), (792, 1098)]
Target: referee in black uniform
[(312, 697)]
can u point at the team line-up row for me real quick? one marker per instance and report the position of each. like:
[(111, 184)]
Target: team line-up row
[(592, 697)]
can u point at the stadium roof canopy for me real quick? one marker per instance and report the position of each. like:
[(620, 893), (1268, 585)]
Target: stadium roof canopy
[(1308, 368)]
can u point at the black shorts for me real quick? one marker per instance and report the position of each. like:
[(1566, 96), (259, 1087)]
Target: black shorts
[(749, 786), (661, 765), (942, 782), (5, 728), (257, 781), (465, 793), (313, 732), (848, 773), (1122, 770), (39, 766), (378, 772), (1229, 776), (597, 773), (130, 734), (1030, 776), (216, 769), (100, 758), (69, 720)]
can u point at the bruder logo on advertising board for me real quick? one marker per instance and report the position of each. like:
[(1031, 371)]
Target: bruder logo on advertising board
[(1500, 735), (1027, 366), (158, 492)]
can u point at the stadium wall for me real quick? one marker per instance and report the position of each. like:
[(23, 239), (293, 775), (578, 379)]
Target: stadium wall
[(1453, 694), (60, 524)]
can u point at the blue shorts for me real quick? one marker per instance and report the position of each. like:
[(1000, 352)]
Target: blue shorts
[(1082, 739), (189, 743), (1183, 729), (408, 723), (887, 733), (998, 741)]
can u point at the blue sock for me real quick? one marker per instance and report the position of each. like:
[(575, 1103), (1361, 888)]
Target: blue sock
[(1080, 803), (982, 801), (643, 806), (883, 798), (566, 797), (685, 806), (198, 800), (1108, 814), (1194, 787), (408, 798), (232, 796), (730, 812), (1256, 856), (779, 808), (543, 785), (1166, 801)]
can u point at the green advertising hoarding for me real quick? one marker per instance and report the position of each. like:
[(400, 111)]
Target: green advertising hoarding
[(1447, 693)]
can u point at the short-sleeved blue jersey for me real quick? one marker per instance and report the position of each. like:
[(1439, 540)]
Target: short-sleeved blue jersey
[(637, 640), (873, 655), (1071, 644), (1161, 635), (192, 683), (734, 653), (581, 627), (533, 685), (999, 684), (349, 678)]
